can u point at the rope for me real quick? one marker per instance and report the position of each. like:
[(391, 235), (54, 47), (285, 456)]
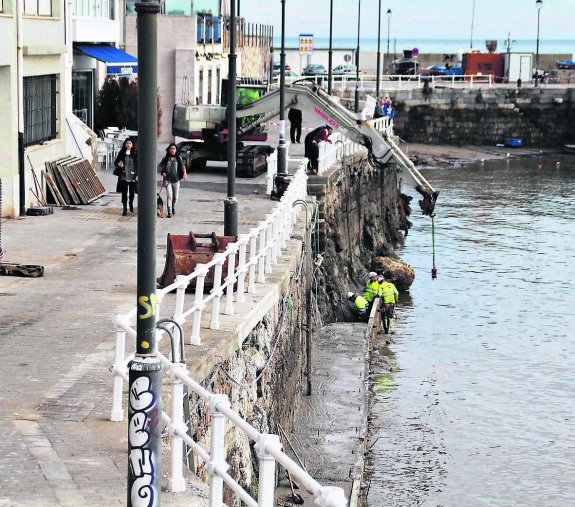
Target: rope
[(433, 269)]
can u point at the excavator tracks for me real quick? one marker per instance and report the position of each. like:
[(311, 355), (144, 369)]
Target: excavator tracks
[(252, 160)]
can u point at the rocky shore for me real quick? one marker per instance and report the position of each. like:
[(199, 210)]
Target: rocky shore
[(455, 156)]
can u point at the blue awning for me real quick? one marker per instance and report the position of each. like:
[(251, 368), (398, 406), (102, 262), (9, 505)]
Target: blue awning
[(117, 62)]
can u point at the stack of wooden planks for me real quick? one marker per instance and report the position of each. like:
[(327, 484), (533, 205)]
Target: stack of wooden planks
[(71, 180)]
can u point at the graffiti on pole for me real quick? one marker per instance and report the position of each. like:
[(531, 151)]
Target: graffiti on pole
[(143, 492)]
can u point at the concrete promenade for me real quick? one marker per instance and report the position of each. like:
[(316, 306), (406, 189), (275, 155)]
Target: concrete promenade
[(57, 445)]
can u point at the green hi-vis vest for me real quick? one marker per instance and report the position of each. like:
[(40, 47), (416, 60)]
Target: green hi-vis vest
[(371, 290), (360, 304), (388, 292)]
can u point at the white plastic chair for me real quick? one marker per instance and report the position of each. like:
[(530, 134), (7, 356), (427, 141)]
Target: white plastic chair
[(103, 154)]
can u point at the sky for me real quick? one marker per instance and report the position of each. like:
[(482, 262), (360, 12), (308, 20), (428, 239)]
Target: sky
[(421, 19)]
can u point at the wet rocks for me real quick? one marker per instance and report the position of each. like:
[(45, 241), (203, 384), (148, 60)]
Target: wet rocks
[(403, 273)]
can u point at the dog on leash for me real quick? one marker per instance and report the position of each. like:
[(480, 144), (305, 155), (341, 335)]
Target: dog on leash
[(159, 206)]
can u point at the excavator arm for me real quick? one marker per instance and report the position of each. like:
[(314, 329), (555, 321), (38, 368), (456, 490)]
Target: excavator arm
[(382, 149)]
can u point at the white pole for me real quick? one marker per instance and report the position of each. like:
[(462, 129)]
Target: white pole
[(267, 466), (176, 482)]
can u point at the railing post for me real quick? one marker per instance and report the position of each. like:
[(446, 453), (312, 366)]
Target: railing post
[(252, 272), (262, 254), (274, 224), (231, 271), (268, 244), (117, 413), (183, 283), (202, 272), (220, 258), (218, 434), (176, 481), (240, 294), (267, 472)]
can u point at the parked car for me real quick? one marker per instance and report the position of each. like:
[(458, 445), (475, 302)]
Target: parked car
[(406, 68), (314, 69), (453, 69), (345, 70)]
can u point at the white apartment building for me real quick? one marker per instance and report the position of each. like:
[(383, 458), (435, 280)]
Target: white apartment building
[(57, 53)]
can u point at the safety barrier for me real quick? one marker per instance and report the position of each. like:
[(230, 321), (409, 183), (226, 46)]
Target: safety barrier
[(257, 252)]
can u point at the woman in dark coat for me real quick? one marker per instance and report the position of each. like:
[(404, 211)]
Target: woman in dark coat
[(126, 164), (173, 170)]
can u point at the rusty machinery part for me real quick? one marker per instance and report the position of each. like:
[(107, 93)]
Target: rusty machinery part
[(185, 252)]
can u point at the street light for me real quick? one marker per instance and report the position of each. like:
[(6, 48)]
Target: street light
[(282, 148), (388, 25), (357, 59), (378, 51), (330, 52), (538, 4)]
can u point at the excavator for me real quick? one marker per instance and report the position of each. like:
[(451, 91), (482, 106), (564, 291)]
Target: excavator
[(251, 114)]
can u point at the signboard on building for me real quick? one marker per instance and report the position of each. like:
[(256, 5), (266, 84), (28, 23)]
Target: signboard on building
[(122, 70), (306, 43)]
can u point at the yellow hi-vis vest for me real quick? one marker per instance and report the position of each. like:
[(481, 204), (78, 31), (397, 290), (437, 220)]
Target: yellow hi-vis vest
[(371, 290), (360, 304), (388, 292)]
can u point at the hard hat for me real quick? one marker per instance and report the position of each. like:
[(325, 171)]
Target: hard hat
[(350, 295), (380, 279), (372, 274)]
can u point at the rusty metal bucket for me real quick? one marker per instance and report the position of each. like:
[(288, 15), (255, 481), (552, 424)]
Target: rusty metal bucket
[(184, 253)]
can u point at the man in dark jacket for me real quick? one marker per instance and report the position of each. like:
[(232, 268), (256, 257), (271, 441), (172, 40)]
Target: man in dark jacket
[(295, 120), (312, 147)]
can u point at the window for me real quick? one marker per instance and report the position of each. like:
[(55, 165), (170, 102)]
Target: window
[(93, 8), (38, 7), (178, 7), (40, 94), (82, 96)]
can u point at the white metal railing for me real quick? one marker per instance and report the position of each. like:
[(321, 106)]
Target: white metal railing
[(395, 81), (256, 253)]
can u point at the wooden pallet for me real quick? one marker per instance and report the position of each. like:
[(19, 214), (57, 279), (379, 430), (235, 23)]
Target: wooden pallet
[(71, 180)]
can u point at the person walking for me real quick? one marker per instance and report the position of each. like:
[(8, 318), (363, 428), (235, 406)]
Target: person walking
[(173, 170), (311, 145), (389, 296), (126, 169), (360, 305), (295, 118)]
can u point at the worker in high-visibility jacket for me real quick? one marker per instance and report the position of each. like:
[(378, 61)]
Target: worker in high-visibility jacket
[(372, 287), (360, 304), (389, 295)]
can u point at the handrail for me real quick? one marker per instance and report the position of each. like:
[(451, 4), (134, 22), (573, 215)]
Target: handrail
[(257, 253)]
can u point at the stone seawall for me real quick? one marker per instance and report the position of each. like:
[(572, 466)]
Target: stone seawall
[(359, 220), (541, 117)]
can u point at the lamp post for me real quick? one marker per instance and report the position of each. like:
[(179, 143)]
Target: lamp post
[(231, 203), (282, 152), (357, 59), (145, 370), (388, 25), (538, 4), (378, 52), (330, 52)]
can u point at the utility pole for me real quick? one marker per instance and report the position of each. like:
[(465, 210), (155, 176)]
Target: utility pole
[(231, 203), (145, 375)]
